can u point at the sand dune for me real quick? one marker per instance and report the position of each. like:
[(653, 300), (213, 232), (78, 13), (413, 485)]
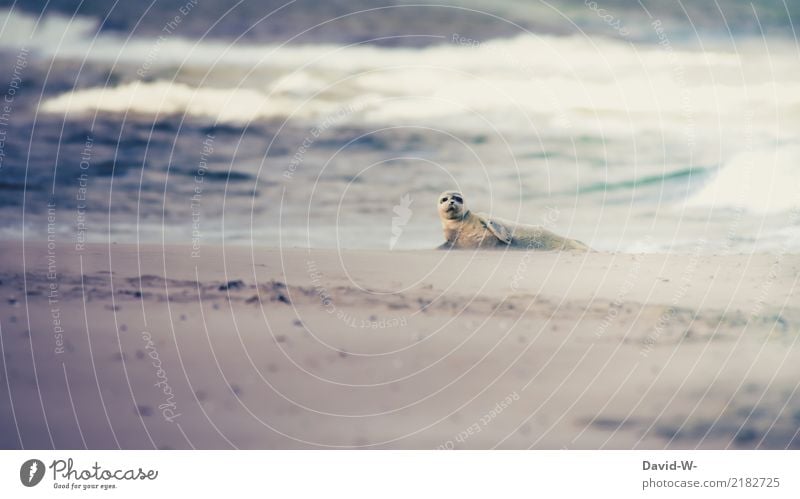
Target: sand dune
[(119, 346)]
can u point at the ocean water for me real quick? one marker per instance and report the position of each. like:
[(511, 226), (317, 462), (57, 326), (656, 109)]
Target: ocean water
[(647, 138)]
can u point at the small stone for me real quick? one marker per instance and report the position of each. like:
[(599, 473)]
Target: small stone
[(237, 284)]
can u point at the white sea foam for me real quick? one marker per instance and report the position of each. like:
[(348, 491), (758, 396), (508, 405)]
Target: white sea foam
[(49, 34), (583, 85), (763, 181), (162, 98)]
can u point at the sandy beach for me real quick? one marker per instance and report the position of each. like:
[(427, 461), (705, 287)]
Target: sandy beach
[(119, 346)]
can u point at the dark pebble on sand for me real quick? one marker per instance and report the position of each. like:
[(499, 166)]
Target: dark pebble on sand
[(236, 389), (139, 354), (183, 317), (253, 299), (201, 395), (746, 435), (144, 410), (280, 338), (238, 284), (297, 323), (342, 354), (120, 356)]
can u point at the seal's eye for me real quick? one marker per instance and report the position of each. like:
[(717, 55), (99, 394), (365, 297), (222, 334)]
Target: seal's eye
[(443, 200), (458, 199)]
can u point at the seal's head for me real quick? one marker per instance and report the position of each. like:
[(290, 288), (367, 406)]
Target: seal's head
[(451, 205)]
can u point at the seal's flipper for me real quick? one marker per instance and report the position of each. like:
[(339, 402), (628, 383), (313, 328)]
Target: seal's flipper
[(499, 230)]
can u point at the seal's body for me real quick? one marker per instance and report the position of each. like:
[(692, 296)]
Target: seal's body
[(464, 229)]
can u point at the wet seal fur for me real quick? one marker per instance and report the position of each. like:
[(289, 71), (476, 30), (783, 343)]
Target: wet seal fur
[(464, 229)]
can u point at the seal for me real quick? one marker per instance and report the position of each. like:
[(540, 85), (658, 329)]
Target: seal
[(464, 229)]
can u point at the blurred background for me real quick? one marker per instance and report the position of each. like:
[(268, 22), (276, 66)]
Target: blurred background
[(655, 126)]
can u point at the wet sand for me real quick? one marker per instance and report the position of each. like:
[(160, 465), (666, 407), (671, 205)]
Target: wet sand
[(137, 348)]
